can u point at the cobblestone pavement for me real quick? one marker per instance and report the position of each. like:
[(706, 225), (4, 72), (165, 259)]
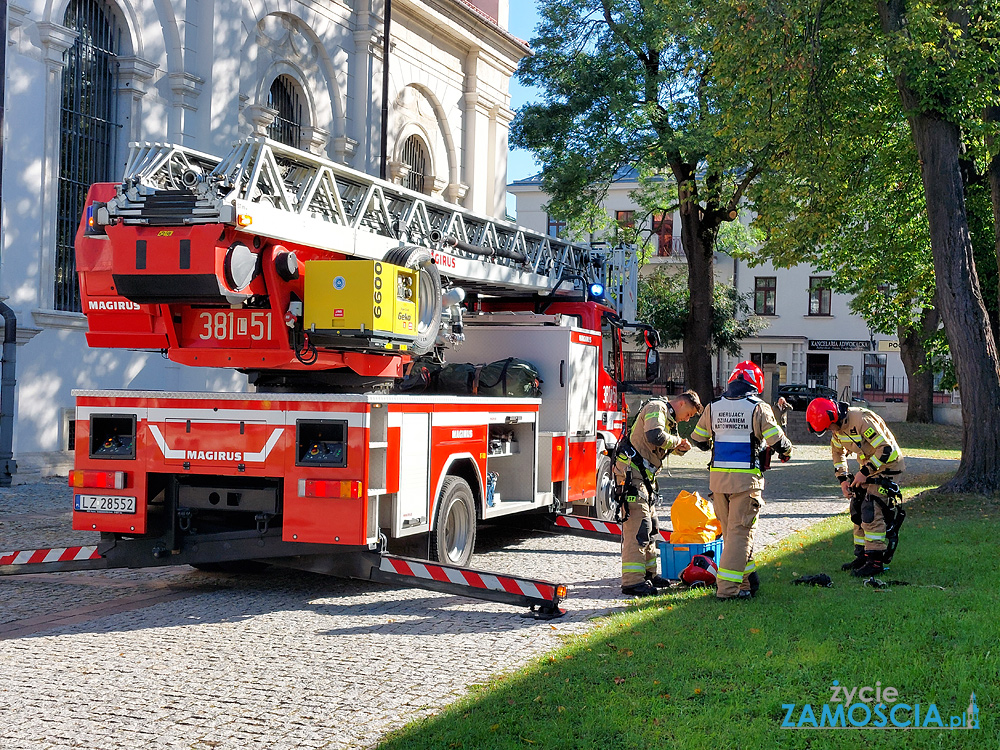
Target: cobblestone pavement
[(178, 658)]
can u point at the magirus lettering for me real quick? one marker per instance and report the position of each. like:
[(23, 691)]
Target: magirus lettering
[(214, 455)]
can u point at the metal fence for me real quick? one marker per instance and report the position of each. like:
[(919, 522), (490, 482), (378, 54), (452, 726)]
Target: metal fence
[(889, 389), (672, 380), (877, 388)]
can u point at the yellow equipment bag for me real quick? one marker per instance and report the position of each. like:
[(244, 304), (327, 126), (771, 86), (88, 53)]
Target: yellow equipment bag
[(693, 519)]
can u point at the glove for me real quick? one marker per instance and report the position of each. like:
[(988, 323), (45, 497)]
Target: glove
[(820, 579), (786, 457)]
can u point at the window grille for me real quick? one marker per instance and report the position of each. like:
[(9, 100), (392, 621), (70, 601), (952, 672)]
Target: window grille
[(88, 130), (287, 126), (415, 157)]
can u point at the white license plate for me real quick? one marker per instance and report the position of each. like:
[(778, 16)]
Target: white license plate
[(105, 504)]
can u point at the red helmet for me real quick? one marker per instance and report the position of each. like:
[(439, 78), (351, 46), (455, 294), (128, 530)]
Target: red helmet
[(821, 414), (750, 373), (700, 572)]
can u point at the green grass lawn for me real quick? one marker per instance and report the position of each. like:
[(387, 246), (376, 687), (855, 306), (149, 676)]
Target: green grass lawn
[(686, 671), (928, 440)]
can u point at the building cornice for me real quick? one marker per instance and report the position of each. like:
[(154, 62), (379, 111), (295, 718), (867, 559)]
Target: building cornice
[(465, 19)]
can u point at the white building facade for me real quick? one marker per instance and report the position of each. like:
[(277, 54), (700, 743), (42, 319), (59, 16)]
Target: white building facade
[(810, 330), (84, 78)]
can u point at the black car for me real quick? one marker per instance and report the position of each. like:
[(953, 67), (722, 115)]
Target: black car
[(799, 395)]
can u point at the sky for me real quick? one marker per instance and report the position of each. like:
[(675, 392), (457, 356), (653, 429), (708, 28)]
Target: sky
[(523, 20)]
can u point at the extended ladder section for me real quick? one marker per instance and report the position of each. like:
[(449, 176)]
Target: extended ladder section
[(295, 197)]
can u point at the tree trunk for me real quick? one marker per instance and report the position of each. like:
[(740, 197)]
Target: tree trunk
[(913, 352), (959, 298), (698, 241), (993, 172)]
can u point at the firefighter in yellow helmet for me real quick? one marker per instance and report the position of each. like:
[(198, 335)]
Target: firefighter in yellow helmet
[(737, 427), (872, 490), (639, 456)]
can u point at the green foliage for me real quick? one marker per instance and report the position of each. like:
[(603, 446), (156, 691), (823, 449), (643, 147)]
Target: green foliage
[(844, 192), (626, 85), (663, 303)]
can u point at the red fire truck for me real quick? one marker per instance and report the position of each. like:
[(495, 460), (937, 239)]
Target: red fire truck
[(323, 284)]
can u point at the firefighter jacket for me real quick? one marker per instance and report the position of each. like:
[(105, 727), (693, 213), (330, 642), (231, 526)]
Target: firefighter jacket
[(655, 421), (735, 429), (863, 433)]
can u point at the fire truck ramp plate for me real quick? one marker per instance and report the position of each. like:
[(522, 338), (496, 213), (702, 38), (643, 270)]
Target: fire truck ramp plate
[(477, 584), (51, 560)]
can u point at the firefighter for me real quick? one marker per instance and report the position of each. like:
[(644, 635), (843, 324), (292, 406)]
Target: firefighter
[(739, 428), (639, 456), (863, 433)]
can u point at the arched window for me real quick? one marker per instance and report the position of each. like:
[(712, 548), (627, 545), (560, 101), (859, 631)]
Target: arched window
[(88, 129), (415, 157), (287, 126)]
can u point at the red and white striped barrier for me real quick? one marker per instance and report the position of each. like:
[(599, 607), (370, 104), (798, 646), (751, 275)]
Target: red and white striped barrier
[(62, 554), (465, 577), (580, 523)]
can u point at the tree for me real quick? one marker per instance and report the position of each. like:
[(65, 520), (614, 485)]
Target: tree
[(628, 84), (664, 303), (939, 57), (864, 221)]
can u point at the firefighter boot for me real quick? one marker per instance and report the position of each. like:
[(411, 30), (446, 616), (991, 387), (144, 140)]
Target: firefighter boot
[(657, 580), (859, 558), (754, 580), (640, 589), (873, 564)]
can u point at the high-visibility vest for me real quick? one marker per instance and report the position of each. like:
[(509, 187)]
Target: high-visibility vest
[(735, 447)]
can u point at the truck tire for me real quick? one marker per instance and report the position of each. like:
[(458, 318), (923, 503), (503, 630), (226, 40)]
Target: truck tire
[(454, 535), (428, 293), (604, 510)]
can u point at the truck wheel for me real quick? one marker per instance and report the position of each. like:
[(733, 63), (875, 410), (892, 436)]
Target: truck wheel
[(454, 536), (428, 293), (604, 509)]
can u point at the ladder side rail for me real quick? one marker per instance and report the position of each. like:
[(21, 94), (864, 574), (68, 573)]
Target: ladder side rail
[(245, 175), (137, 154), (276, 181), (306, 196), (332, 191), (361, 218), (380, 214), (351, 193)]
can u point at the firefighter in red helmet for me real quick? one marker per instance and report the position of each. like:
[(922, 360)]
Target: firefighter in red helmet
[(872, 490), (738, 427)]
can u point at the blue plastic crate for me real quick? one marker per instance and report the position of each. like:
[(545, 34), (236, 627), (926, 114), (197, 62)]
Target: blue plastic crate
[(675, 557)]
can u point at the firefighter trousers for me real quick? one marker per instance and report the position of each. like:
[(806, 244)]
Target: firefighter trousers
[(638, 547), (869, 519), (737, 512)]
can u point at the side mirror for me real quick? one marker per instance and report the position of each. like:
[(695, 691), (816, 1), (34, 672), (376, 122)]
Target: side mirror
[(652, 365), (652, 338)]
